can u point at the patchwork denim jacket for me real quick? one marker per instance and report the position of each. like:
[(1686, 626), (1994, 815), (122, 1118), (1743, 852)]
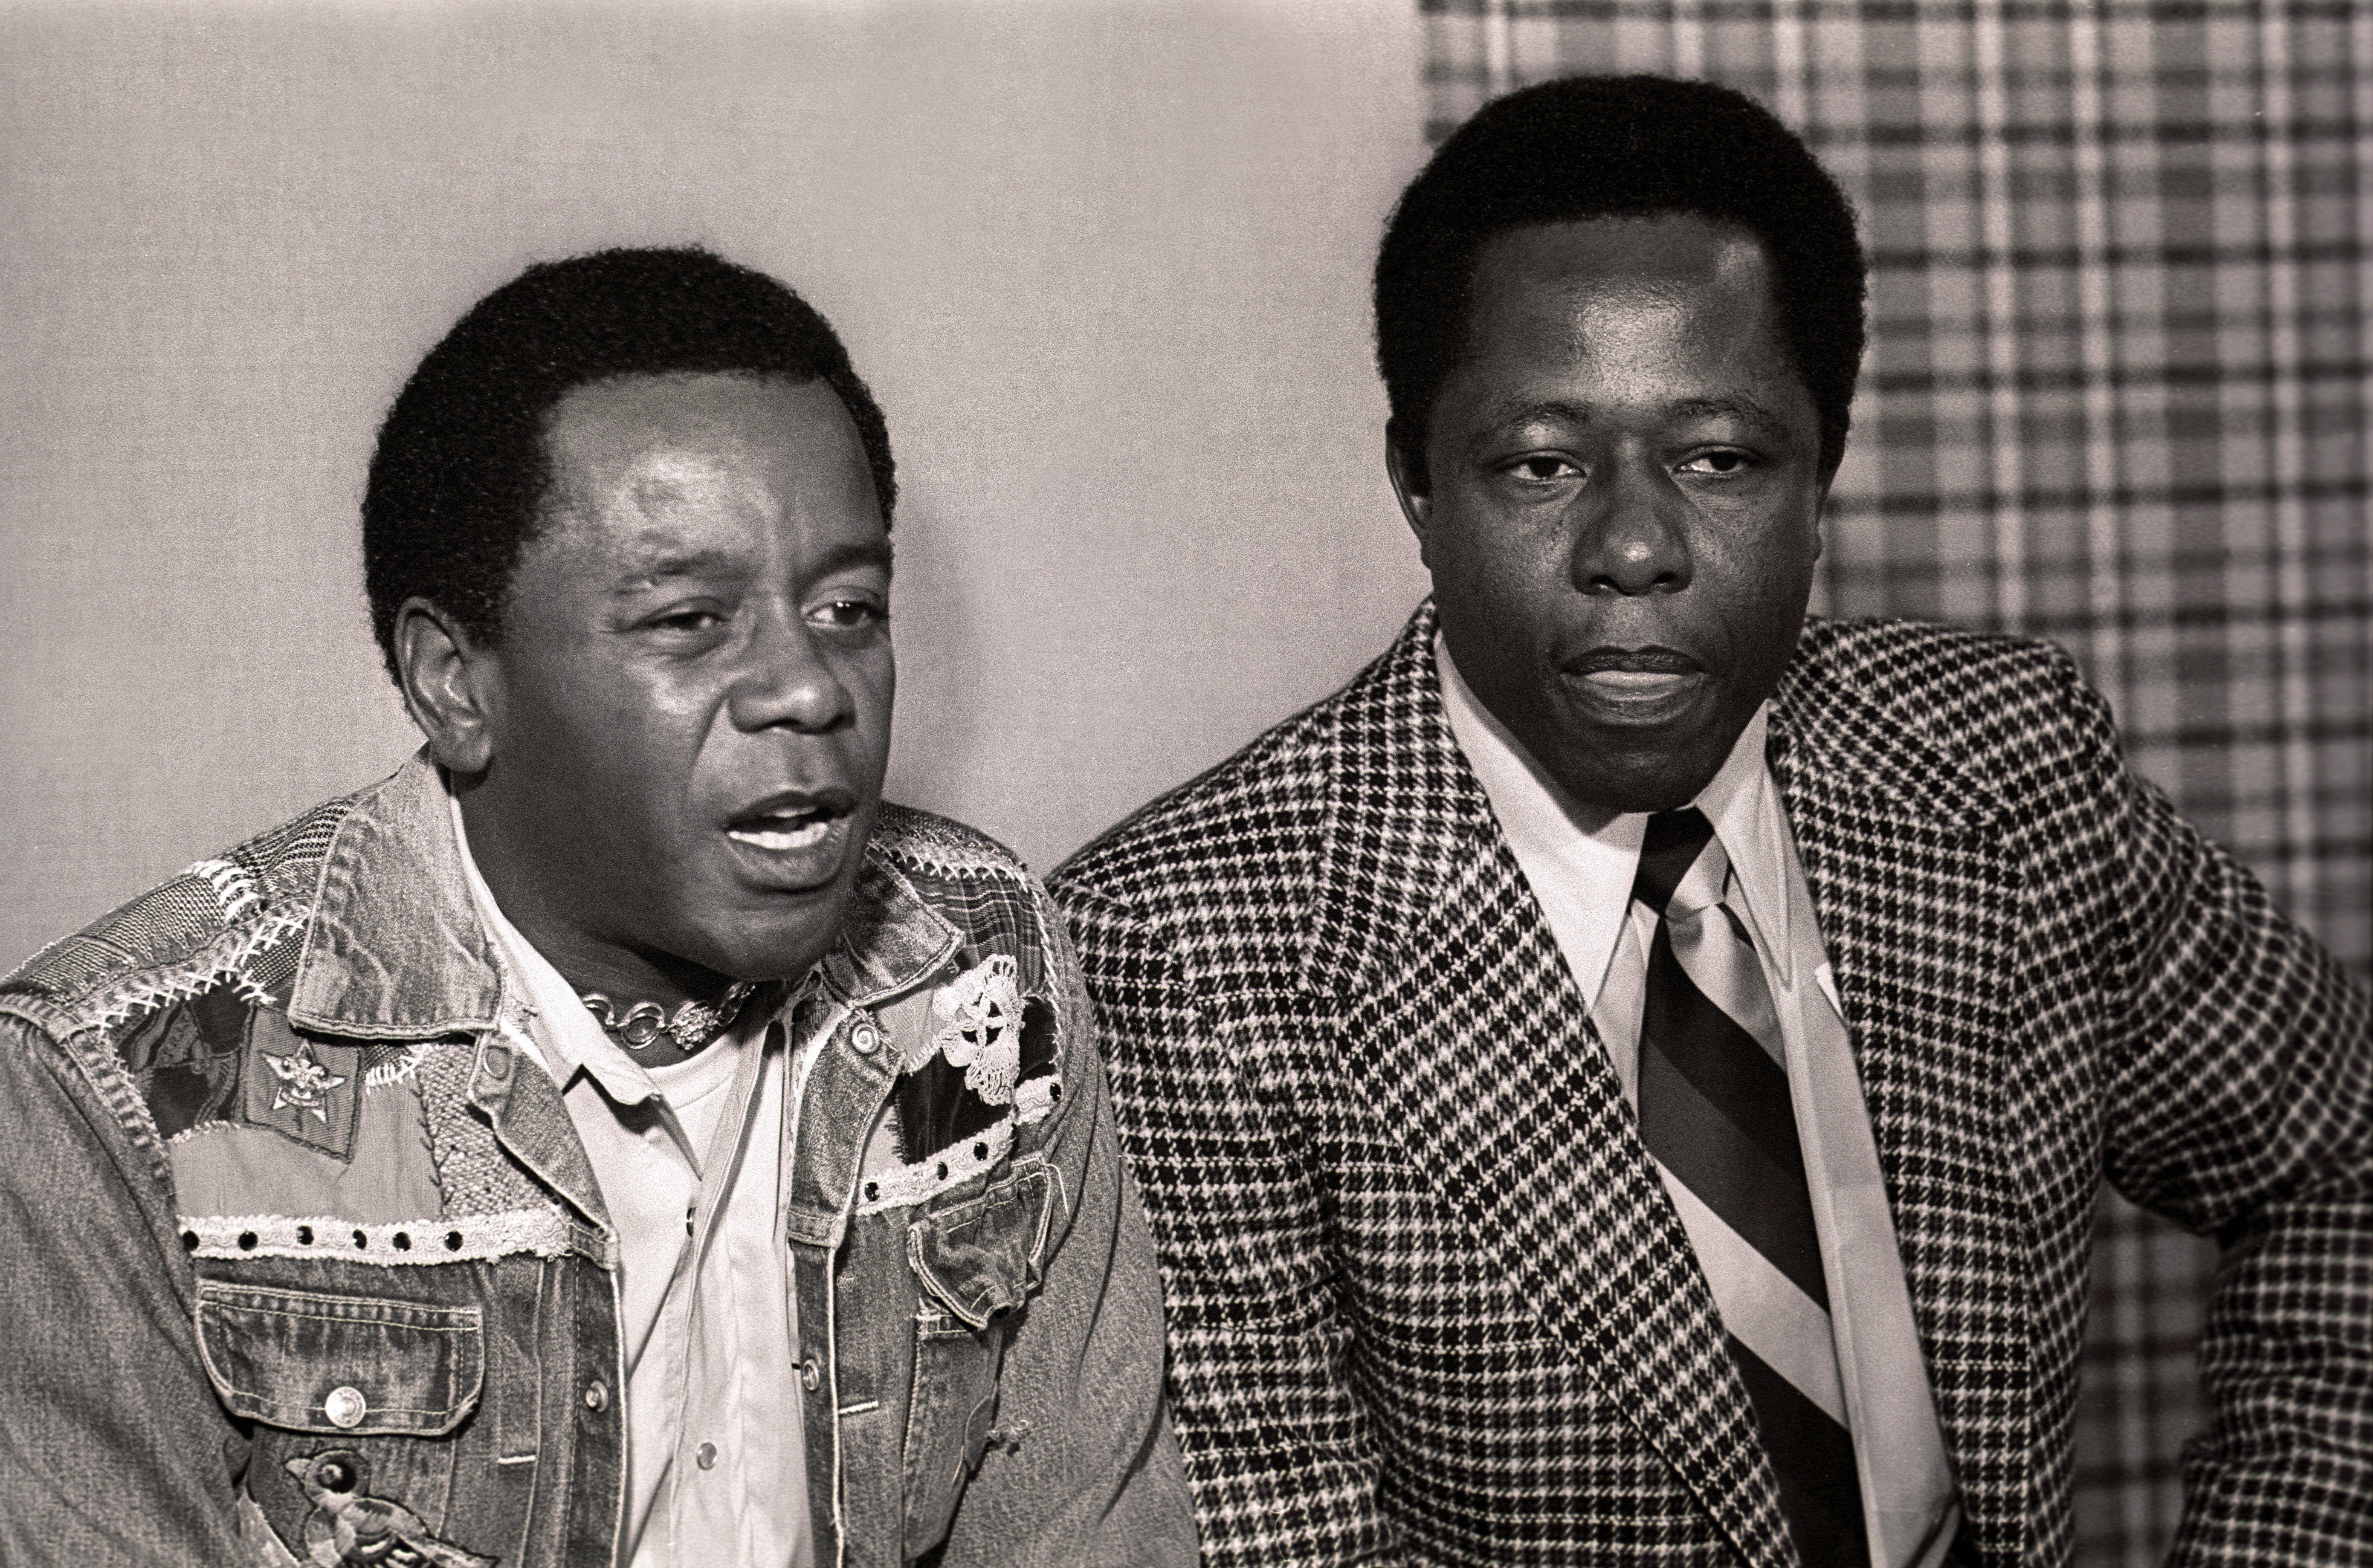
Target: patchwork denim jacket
[(309, 1265)]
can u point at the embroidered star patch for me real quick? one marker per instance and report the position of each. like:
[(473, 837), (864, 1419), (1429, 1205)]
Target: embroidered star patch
[(304, 1082), (306, 1089)]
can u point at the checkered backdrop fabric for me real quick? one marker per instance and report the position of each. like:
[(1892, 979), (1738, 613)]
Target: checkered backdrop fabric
[(2117, 396)]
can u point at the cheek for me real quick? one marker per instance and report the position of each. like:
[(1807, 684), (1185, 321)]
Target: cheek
[(871, 679), (1488, 558)]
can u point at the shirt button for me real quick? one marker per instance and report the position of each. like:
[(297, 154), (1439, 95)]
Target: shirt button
[(864, 1038), (706, 1455), (810, 1374), (597, 1395), (345, 1407)]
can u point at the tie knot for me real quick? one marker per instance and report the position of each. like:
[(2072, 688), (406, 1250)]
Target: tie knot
[(1676, 839)]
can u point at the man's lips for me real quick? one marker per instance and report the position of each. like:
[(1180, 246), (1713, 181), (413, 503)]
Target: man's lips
[(792, 820), (1635, 685)]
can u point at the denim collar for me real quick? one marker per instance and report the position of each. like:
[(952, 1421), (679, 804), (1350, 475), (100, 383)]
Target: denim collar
[(395, 950)]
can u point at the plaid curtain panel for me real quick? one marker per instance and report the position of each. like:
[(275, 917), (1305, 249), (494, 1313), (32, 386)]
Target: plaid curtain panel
[(2117, 396)]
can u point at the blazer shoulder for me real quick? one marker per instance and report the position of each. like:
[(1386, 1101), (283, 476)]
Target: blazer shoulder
[(1892, 650), (1254, 815), (1984, 697)]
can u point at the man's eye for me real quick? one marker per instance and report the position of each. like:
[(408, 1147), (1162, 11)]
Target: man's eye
[(1543, 468), (847, 615), (1718, 462), (685, 621)]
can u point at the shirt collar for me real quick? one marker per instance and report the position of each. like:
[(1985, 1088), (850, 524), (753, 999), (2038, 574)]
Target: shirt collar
[(1580, 863), (393, 948)]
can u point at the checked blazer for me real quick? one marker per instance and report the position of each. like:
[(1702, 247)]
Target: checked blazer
[(1428, 1301)]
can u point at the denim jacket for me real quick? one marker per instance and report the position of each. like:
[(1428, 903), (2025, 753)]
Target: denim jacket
[(309, 1266)]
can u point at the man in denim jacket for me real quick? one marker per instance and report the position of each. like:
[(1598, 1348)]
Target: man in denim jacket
[(618, 1136)]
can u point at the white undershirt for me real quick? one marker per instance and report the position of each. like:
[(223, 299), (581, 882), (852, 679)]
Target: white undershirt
[(689, 1160)]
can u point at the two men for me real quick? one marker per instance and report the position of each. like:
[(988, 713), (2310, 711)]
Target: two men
[(617, 1136), (1626, 1079)]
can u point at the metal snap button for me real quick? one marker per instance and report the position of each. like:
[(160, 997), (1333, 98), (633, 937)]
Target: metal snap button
[(497, 1060), (864, 1039), (345, 1406), (597, 1395), (810, 1374), (705, 1456)]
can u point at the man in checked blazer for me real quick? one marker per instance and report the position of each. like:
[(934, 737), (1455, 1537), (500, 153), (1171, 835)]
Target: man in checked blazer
[(1467, 1256)]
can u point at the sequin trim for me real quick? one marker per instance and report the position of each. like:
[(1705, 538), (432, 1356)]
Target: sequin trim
[(543, 1232), (905, 1186)]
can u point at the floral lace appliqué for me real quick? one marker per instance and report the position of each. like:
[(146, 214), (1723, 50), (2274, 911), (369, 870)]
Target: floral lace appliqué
[(976, 1021)]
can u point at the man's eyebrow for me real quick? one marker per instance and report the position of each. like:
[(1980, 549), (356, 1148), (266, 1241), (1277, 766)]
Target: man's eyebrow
[(663, 566), (660, 565), (1737, 405), (875, 552), (1548, 409)]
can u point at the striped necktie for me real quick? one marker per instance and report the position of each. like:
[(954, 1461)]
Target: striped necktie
[(1714, 1111)]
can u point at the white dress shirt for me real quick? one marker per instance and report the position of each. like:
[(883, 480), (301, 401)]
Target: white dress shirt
[(689, 1160), (1580, 864)]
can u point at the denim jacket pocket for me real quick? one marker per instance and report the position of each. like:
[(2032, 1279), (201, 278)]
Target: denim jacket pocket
[(976, 1262), (981, 1258), (340, 1365)]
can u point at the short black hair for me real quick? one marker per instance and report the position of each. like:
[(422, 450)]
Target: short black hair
[(458, 484), (1619, 146)]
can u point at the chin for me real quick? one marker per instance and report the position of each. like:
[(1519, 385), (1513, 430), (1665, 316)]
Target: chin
[(1658, 782), (760, 949)]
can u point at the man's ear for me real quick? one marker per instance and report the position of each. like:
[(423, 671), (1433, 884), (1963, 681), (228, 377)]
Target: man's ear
[(1406, 466), (450, 684)]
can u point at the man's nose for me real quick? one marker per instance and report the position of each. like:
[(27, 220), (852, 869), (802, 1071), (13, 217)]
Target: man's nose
[(786, 680), (1631, 537)]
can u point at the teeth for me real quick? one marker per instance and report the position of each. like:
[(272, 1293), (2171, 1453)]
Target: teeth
[(809, 830)]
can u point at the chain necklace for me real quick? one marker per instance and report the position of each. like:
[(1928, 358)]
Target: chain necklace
[(692, 1025)]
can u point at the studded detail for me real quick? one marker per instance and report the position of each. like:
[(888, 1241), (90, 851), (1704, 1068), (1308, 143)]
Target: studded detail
[(345, 1406), (545, 1232)]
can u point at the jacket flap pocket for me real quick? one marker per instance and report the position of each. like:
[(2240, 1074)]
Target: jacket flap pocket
[(360, 1365), (981, 1258)]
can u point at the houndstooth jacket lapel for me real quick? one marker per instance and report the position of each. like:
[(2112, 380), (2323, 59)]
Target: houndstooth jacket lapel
[(1918, 903), (1471, 1041)]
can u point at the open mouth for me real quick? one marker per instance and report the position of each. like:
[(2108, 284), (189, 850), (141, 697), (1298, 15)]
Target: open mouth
[(792, 820), (784, 829)]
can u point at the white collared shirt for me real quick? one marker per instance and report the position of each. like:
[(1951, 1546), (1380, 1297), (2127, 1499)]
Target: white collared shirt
[(689, 1159), (1580, 865)]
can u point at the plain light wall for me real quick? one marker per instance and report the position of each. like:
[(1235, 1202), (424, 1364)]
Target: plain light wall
[(1103, 263)]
